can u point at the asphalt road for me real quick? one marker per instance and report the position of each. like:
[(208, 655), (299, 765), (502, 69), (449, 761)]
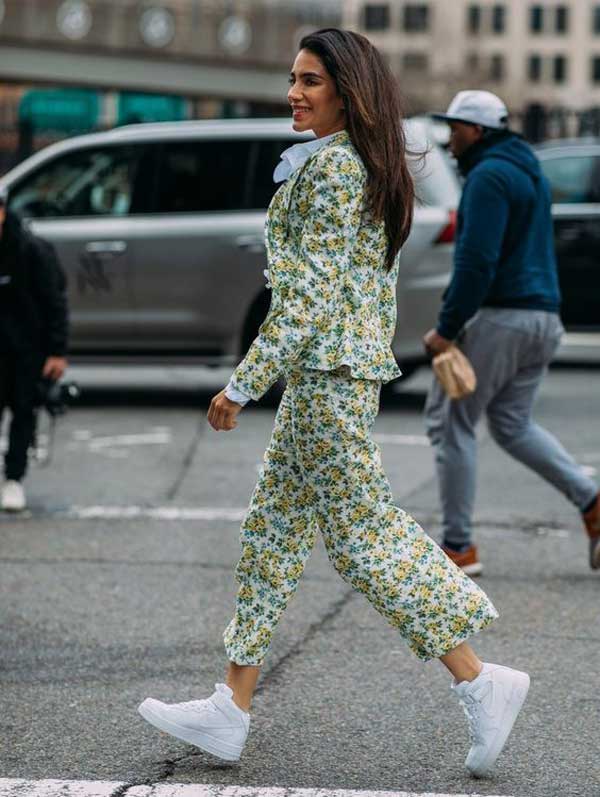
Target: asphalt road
[(119, 580)]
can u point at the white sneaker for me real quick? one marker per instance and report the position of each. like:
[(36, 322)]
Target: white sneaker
[(492, 703), (216, 725), (13, 496)]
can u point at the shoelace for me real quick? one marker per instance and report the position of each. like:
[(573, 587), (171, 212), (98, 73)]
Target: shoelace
[(471, 709), (197, 705)]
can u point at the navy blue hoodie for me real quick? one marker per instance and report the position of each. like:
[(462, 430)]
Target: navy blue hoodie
[(504, 254)]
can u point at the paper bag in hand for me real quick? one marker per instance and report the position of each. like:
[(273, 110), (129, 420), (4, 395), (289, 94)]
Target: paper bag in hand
[(455, 373)]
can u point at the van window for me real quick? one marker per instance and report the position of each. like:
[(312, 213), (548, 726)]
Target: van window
[(267, 158), (197, 176), (574, 178), (87, 182)]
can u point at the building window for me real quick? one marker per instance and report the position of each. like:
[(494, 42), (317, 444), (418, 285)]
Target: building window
[(415, 62), (560, 69), (416, 17), (596, 19), (474, 19), (497, 68), (472, 63), (536, 19), (562, 19), (596, 69), (534, 68), (377, 17), (498, 19)]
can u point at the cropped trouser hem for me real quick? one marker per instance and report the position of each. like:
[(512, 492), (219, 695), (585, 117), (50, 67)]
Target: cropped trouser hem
[(473, 625)]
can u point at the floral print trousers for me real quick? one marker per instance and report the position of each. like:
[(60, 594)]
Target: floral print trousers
[(323, 472)]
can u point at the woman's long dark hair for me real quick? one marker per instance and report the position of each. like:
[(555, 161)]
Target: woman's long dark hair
[(373, 106)]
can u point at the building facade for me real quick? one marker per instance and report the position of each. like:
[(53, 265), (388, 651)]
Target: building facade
[(71, 66), (544, 53)]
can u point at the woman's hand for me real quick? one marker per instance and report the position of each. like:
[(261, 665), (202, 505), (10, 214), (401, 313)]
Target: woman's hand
[(222, 413)]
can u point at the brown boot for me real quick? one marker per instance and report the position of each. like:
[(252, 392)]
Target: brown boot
[(468, 560), (591, 518)]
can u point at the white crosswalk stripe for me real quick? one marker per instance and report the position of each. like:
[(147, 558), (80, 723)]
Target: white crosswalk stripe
[(401, 439), (234, 514), (102, 788)]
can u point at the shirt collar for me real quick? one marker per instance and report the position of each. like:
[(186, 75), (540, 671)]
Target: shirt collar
[(295, 157)]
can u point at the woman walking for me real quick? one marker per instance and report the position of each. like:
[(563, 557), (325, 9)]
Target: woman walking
[(334, 231)]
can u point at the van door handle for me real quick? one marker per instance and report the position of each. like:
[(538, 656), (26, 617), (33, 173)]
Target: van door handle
[(106, 247), (251, 243)]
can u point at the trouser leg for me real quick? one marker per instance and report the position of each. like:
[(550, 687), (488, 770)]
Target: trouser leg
[(24, 371), (375, 546), (495, 343), (4, 387), (511, 425), (277, 537), (451, 428)]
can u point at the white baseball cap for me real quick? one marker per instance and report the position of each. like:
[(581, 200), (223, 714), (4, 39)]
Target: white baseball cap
[(476, 108)]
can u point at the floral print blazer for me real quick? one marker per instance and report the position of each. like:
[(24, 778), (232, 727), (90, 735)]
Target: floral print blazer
[(333, 302)]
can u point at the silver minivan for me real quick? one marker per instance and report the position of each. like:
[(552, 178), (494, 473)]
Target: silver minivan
[(159, 228)]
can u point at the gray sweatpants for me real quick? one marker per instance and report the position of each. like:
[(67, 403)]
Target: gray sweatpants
[(509, 351)]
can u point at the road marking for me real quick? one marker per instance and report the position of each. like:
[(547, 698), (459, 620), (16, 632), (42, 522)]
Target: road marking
[(118, 446), (105, 788), (185, 790), (156, 513), (235, 514), (52, 788), (157, 437), (402, 439)]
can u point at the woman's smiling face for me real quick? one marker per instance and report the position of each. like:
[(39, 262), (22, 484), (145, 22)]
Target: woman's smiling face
[(316, 105)]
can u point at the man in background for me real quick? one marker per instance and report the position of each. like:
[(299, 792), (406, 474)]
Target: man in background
[(33, 340), (501, 308)]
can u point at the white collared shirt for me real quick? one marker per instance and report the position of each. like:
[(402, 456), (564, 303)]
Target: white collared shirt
[(296, 156), (291, 160)]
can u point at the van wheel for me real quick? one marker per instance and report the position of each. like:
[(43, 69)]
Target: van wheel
[(257, 314)]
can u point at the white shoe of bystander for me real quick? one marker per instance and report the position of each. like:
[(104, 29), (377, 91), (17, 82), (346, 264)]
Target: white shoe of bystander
[(12, 497)]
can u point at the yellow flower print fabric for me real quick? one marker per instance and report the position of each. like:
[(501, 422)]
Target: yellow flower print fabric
[(322, 472), (333, 302)]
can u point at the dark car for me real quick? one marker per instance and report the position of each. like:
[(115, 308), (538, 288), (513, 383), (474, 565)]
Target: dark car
[(573, 169)]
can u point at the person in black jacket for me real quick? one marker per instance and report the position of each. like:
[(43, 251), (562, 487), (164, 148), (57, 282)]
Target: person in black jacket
[(33, 339)]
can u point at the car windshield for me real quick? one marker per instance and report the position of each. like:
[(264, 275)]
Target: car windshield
[(574, 178)]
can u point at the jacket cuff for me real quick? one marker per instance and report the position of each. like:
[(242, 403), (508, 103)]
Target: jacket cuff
[(255, 374), (448, 331), (233, 394), (249, 387)]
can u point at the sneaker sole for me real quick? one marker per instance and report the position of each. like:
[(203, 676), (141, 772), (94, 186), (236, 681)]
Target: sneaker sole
[(210, 744), (511, 712), (473, 570)]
